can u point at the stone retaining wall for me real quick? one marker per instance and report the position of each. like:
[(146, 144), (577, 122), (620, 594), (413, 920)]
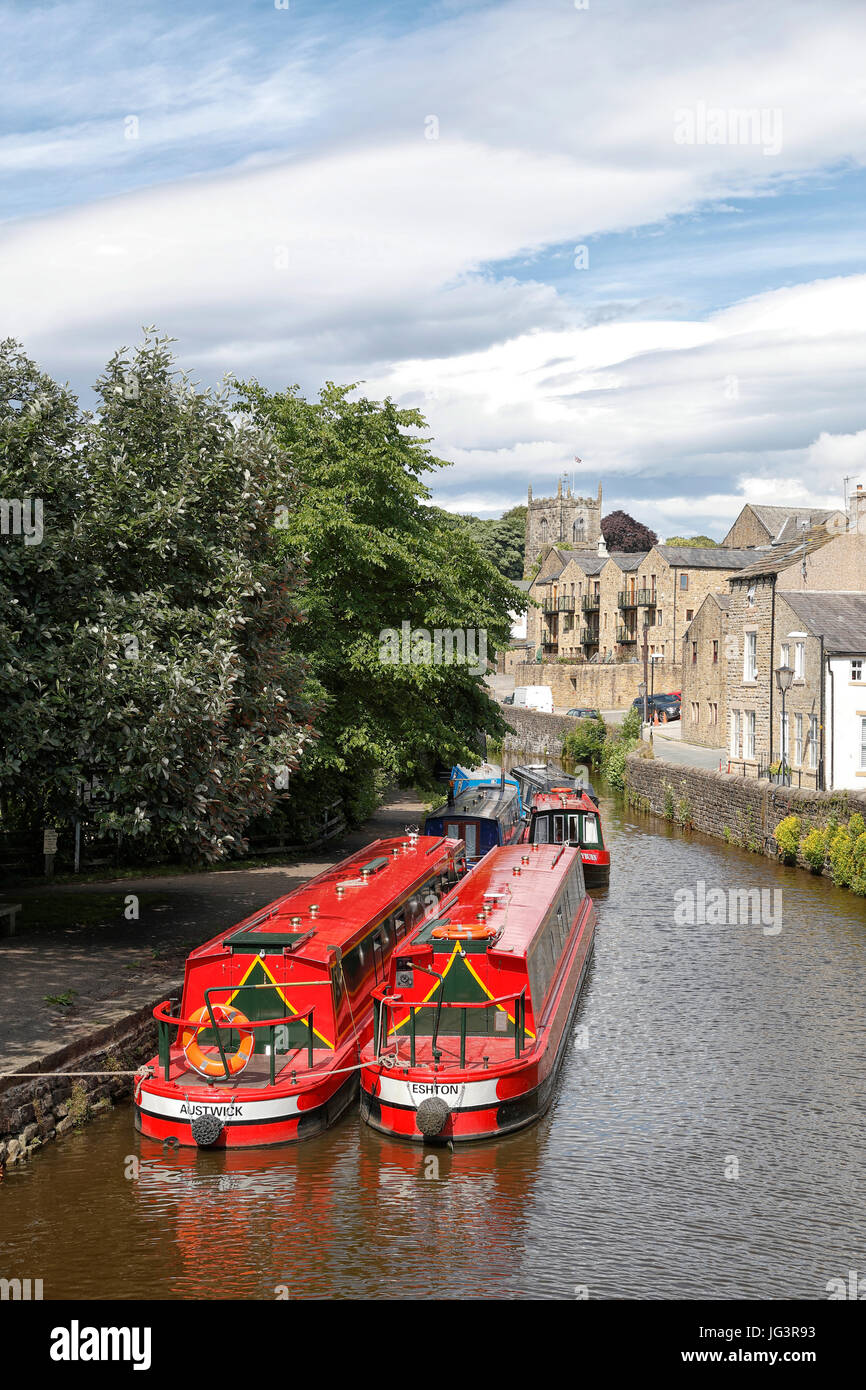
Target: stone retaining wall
[(534, 733), (742, 810), (611, 685), (39, 1109)]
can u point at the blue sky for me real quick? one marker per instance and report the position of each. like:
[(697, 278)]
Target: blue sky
[(397, 193)]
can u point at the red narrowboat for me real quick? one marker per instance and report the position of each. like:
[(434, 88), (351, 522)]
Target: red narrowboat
[(569, 816), (471, 1029), (265, 1045)]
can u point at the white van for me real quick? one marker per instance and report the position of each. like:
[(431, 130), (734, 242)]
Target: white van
[(538, 697)]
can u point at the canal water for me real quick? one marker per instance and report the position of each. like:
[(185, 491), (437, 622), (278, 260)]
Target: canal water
[(706, 1141)]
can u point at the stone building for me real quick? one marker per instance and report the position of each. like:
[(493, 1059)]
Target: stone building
[(703, 707), (764, 635), (758, 525), (565, 519), (824, 731)]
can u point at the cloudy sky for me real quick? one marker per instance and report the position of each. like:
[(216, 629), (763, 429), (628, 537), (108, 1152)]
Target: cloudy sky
[(545, 225)]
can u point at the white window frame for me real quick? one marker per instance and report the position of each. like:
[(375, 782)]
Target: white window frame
[(798, 740), (735, 732), (750, 656), (813, 740), (862, 745), (857, 670), (749, 730), (799, 661)]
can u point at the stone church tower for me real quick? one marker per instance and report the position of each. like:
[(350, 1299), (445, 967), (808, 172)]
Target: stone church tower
[(561, 520)]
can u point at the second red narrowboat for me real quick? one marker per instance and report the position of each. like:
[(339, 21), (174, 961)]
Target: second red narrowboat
[(265, 1044), (566, 816), (472, 1028)]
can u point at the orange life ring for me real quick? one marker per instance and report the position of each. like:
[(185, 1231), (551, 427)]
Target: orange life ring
[(212, 1066), (478, 931)]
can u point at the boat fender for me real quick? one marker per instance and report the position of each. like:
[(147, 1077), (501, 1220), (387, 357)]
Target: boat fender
[(431, 1116), (206, 1130)]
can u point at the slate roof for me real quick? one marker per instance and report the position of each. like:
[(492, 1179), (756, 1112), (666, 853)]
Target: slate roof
[(840, 618), (780, 557), (785, 523), (704, 557)]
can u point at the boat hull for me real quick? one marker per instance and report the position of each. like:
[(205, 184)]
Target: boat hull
[(480, 1108), (259, 1118)]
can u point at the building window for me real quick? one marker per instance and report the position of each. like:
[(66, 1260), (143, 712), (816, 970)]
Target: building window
[(735, 733), (684, 581), (750, 657), (863, 743), (715, 652), (577, 529), (750, 597), (798, 740), (857, 670), (813, 740), (694, 653), (784, 655), (696, 712), (658, 617), (749, 734), (690, 613), (799, 661)]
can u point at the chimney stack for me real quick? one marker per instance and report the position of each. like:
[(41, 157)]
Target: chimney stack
[(857, 510)]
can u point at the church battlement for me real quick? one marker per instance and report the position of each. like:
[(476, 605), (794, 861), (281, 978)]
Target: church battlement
[(565, 519)]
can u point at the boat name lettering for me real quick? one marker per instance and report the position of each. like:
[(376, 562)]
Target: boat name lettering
[(432, 1088), (222, 1112)]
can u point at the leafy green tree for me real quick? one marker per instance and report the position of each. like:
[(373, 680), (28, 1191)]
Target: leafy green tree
[(501, 540), (146, 643), (380, 556), (702, 542)]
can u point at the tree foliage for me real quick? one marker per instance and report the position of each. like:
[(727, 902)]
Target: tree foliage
[(501, 540), (702, 542), (146, 662), (378, 556), (622, 533)]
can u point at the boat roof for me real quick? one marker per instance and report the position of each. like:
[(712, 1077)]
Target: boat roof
[(486, 801), (518, 901), (568, 798), (369, 882)]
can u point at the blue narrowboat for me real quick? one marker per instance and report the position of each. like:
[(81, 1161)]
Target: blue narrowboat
[(482, 817)]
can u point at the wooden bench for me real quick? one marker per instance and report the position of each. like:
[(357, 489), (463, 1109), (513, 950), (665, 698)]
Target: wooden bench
[(8, 913)]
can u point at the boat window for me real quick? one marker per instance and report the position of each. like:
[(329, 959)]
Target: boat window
[(540, 830), (471, 838), (574, 830), (590, 831), (558, 829)]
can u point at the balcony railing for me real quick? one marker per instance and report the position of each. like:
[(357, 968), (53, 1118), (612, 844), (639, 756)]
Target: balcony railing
[(627, 600), (565, 604), (548, 605), (646, 598), (588, 637), (624, 634), (590, 603)]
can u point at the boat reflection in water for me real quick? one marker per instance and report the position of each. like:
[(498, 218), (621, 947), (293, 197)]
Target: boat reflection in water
[(295, 1222)]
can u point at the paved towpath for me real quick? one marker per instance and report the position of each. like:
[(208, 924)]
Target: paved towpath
[(76, 942)]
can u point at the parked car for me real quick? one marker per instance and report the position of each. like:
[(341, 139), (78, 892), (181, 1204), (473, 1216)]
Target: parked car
[(509, 699), (662, 704), (584, 713), (538, 697)]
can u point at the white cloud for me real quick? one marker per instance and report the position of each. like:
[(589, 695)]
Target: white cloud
[(367, 250)]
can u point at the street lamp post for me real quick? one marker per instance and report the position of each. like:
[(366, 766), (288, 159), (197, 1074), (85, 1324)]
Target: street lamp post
[(641, 690), (784, 678)]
